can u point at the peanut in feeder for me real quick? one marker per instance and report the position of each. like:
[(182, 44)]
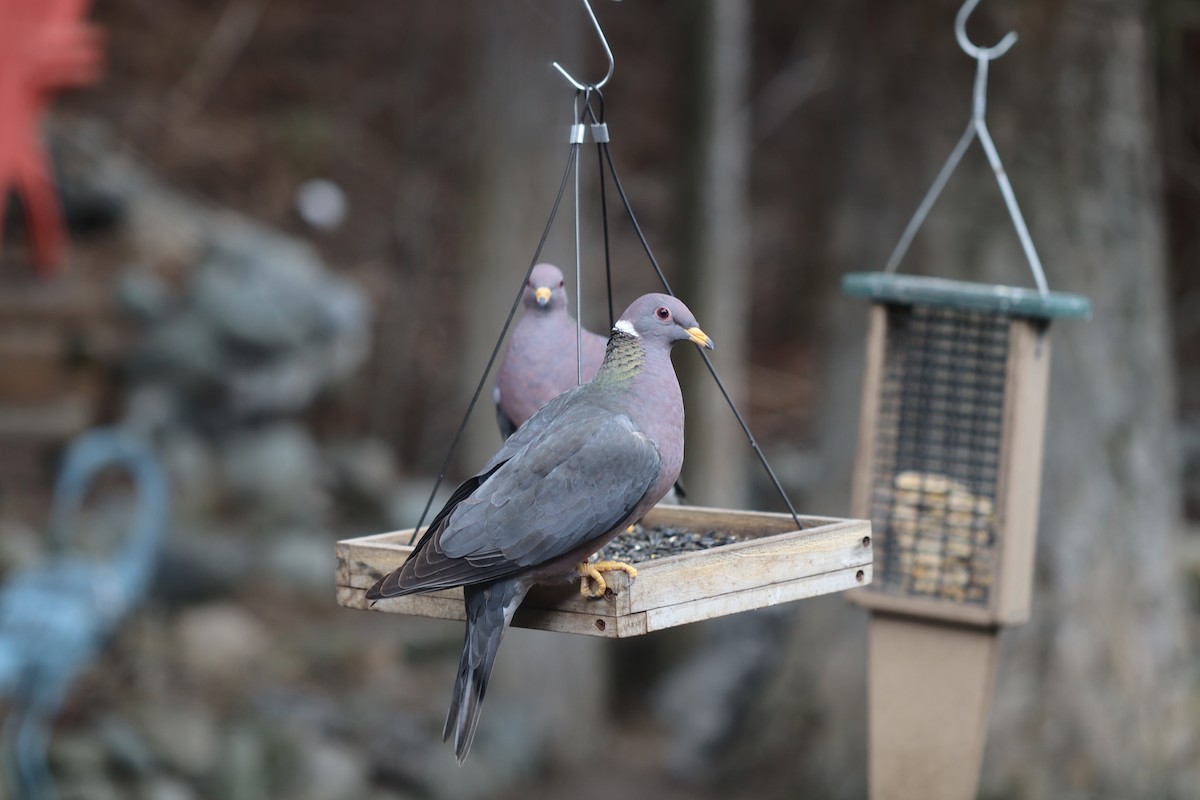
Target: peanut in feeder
[(948, 470)]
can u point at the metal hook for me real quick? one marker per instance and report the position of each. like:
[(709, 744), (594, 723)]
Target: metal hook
[(607, 51), (971, 49), (976, 127)]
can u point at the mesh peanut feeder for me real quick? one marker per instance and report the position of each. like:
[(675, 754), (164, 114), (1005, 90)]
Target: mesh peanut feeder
[(948, 470), (950, 443)]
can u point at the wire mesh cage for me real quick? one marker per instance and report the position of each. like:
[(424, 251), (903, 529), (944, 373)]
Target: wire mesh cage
[(950, 443), (937, 451)]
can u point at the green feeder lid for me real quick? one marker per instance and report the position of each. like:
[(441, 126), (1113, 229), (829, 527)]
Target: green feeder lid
[(1015, 301)]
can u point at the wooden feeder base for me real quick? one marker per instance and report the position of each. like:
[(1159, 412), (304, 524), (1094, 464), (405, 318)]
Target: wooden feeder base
[(930, 693), (772, 563)]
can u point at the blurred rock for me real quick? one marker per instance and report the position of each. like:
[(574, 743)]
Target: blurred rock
[(166, 789), (243, 770), (180, 352), (410, 497), (363, 477), (302, 561), (192, 467), (241, 321), (143, 295), (76, 755), (20, 546), (276, 470), (1189, 456), (514, 741), (260, 291), (296, 709), (88, 203), (93, 788), (260, 329), (221, 642), (184, 736), (700, 701), (149, 410), (127, 750), (488, 774), (330, 771), (198, 565)]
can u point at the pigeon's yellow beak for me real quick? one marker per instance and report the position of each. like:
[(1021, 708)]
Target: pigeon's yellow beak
[(700, 337), (542, 295)]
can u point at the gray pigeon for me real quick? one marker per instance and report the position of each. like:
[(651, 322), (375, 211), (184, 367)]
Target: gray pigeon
[(543, 356), (592, 460)]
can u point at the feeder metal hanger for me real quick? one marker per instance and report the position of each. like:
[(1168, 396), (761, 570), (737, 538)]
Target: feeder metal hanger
[(977, 126), (577, 136), (601, 137), (607, 52), (888, 287)]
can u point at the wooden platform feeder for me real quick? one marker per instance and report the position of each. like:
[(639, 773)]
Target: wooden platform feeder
[(948, 470), (771, 563)]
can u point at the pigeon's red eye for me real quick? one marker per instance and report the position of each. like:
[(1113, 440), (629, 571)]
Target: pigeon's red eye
[(663, 312)]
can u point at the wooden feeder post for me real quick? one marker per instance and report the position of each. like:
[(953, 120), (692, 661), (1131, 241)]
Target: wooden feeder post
[(948, 470)]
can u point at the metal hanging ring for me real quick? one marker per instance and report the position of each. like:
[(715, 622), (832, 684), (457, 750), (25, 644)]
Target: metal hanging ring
[(607, 52), (969, 47)]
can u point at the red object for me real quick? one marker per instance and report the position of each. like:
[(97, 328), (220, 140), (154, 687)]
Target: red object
[(45, 45)]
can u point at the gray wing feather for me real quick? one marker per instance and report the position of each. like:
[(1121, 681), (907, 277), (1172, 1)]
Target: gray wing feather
[(563, 489), (534, 428), (572, 487)]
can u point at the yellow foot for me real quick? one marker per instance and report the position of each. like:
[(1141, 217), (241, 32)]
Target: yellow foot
[(589, 572)]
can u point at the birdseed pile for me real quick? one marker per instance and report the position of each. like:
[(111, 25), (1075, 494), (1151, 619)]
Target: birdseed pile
[(648, 544)]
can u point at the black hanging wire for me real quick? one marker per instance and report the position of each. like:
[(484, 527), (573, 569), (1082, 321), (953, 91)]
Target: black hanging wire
[(599, 135), (597, 125), (562, 186)]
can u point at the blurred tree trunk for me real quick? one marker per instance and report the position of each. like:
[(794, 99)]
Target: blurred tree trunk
[(709, 664), (714, 246), (522, 116), (1092, 695)]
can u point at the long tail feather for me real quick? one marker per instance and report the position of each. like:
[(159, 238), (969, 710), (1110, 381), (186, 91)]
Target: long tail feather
[(490, 608)]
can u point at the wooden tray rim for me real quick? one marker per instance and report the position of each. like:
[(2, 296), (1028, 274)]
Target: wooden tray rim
[(829, 554)]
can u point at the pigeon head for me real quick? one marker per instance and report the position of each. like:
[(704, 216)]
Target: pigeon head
[(544, 289), (661, 318)]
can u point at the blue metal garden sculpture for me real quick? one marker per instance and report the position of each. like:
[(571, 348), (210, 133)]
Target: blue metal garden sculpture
[(56, 616)]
